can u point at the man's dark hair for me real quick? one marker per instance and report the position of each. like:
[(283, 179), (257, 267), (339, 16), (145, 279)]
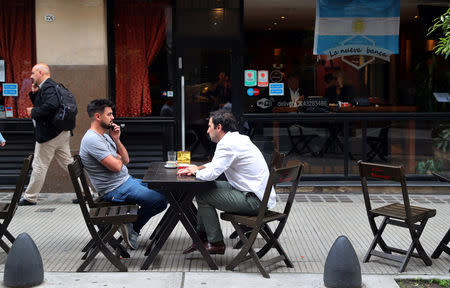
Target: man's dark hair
[(98, 106), (225, 118)]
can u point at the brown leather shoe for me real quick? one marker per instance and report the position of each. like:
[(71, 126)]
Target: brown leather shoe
[(192, 248), (215, 248)]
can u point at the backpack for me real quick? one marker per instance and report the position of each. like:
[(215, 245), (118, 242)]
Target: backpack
[(65, 116)]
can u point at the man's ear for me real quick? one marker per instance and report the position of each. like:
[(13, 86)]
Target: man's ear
[(97, 116)]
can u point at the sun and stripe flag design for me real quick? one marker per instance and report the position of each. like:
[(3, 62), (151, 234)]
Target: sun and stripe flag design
[(357, 27)]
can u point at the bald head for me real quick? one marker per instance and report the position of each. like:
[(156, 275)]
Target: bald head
[(40, 73)]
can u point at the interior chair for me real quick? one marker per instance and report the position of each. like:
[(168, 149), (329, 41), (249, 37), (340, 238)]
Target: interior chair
[(404, 215), (299, 141), (8, 209), (276, 161), (102, 220), (259, 223), (378, 145)]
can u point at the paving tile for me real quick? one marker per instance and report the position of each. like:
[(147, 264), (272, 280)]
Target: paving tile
[(311, 230)]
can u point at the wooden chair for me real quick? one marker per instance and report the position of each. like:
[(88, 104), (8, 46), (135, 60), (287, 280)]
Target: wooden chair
[(298, 139), (442, 246), (378, 145), (259, 223), (8, 209), (402, 215), (102, 221), (276, 161)]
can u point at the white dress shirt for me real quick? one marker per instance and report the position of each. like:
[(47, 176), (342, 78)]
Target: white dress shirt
[(294, 97), (242, 163)]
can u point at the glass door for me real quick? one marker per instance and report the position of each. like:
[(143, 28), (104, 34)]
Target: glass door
[(206, 82)]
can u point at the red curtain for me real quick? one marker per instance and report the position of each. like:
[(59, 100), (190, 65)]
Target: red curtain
[(139, 31), (17, 48)]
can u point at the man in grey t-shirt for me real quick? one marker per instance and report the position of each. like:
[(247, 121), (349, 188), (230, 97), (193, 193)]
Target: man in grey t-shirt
[(104, 157)]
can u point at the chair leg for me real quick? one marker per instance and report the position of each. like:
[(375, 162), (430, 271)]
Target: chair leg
[(99, 246), (4, 246), (442, 246), (415, 235), (241, 255), (10, 237), (377, 238), (272, 242)]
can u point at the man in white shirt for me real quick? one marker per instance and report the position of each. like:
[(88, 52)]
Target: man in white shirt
[(294, 95), (247, 174)]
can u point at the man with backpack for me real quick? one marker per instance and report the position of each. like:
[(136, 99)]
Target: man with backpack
[(51, 142)]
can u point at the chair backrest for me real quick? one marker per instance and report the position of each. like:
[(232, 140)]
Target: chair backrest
[(84, 182), (78, 177), (277, 160), (383, 172), (20, 183), (280, 175)]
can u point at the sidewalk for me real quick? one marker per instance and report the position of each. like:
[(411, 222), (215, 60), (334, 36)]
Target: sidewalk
[(316, 221)]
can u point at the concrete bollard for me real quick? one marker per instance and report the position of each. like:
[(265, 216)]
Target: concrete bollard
[(23, 267), (342, 269)]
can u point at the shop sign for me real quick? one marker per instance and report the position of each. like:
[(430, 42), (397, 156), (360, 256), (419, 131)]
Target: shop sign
[(250, 78), (10, 89), (264, 103), (276, 89), (276, 76), (263, 78), (9, 111), (252, 91), (369, 29)]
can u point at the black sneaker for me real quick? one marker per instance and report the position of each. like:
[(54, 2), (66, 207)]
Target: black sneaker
[(25, 202)]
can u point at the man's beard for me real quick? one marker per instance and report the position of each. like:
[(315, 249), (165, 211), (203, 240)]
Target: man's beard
[(105, 126)]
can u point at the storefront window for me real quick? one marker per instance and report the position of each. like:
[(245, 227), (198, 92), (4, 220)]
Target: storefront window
[(294, 99), (143, 50), (279, 41), (17, 56)]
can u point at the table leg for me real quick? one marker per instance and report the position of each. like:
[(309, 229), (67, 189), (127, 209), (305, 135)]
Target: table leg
[(185, 214), (170, 225)]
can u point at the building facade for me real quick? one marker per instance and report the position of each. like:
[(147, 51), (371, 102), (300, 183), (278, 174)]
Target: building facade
[(167, 64)]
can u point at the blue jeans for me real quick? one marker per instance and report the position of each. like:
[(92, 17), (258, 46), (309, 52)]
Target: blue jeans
[(133, 191)]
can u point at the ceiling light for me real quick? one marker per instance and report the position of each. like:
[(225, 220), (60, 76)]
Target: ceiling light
[(283, 17), (275, 23)]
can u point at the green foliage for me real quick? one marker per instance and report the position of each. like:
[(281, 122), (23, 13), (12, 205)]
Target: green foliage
[(430, 165), (443, 142), (442, 23)]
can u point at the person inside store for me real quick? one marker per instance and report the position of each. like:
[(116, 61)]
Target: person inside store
[(51, 142), (341, 91), (105, 158), (220, 92), (167, 108), (329, 80), (246, 172), (293, 94)]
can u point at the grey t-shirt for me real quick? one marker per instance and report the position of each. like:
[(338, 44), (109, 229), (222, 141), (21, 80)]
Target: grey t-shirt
[(94, 148)]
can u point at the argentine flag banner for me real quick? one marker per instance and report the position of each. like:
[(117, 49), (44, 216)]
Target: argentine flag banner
[(357, 27)]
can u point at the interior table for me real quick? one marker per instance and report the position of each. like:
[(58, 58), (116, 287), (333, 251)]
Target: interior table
[(179, 191)]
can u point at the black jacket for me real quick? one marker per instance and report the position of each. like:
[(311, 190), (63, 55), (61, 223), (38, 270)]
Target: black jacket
[(45, 102)]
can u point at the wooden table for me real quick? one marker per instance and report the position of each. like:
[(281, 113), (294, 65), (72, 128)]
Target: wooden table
[(179, 192)]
